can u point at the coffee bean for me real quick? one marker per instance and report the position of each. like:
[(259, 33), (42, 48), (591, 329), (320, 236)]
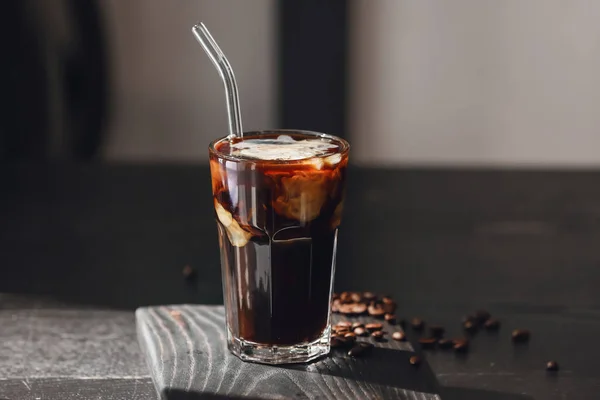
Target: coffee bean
[(356, 297), (359, 308), (344, 324), (445, 344), (399, 336), (376, 311), (374, 326), (360, 331), (414, 360), (357, 325), (387, 300), (335, 296), (368, 296), (481, 316), (346, 297), (346, 308), (377, 335), (335, 306), (360, 350), (551, 366), (417, 324), (470, 326), (390, 318), (188, 273), (349, 338), (520, 335), (427, 343), (437, 331), (461, 347), (492, 324)]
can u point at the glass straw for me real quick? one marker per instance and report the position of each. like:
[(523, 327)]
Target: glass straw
[(215, 54)]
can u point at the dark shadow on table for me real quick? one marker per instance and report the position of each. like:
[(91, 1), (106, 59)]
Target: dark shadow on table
[(455, 393)]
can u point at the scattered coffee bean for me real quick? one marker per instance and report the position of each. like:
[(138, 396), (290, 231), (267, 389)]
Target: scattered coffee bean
[(470, 326), (350, 338), (346, 308), (376, 310), (188, 273), (391, 318), (374, 326), (377, 335), (356, 297), (342, 332), (551, 366), (481, 316), (461, 347), (359, 308), (399, 336), (417, 324), (520, 335), (427, 343), (437, 331), (414, 360), (360, 350), (360, 331), (335, 306), (387, 300), (346, 297), (492, 324), (445, 344), (357, 325), (368, 296)]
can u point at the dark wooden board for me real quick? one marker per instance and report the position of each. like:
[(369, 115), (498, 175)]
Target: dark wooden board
[(186, 352)]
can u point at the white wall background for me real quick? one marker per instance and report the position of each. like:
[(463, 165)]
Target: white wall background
[(169, 101), (478, 82)]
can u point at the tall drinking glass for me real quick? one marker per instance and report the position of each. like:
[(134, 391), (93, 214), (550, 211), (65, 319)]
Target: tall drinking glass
[(278, 198)]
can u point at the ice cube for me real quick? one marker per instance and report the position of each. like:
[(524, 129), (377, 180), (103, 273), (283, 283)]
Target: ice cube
[(301, 196), (237, 236)]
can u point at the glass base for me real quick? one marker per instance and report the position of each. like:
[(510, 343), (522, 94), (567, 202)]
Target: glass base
[(277, 354)]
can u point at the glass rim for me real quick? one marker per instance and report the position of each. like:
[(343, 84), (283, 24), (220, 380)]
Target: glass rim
[(344, 145)]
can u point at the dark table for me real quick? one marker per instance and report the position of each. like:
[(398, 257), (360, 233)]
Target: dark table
[(81, 246)]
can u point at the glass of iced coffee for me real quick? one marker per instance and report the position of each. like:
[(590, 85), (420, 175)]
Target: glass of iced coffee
[(278, 198)]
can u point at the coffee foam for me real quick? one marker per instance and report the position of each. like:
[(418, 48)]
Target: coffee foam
[(283, 148)]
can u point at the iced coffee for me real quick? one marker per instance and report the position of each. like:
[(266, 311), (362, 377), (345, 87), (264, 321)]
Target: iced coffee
[(278, 198)]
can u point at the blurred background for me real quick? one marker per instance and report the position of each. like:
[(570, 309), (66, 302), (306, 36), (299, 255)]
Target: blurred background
[(467, 82)]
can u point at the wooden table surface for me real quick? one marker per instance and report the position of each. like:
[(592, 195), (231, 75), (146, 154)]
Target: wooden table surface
[(82, 246)]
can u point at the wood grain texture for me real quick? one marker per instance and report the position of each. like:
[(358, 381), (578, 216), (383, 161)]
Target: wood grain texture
[(187, 354)]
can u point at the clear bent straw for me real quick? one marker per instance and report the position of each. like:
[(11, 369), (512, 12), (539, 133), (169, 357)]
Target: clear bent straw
[(215, 54)]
